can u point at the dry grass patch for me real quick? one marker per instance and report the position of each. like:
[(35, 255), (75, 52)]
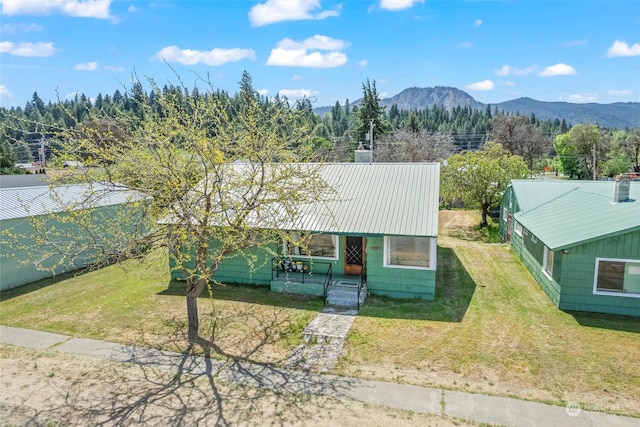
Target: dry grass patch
[(492, 329)]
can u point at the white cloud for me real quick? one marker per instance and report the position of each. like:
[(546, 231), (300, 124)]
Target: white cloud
[(273, 11), (41, 49), (508, 70), (4, 92), (86, 66), (292, 53), (558, 70), (620, 93), (316, 42), (483, 85), (297, 93), (622, 48), (19, 28), (263, 92), (477, 23), (398, 4), (212, 57), (77, 8), (583, 97)]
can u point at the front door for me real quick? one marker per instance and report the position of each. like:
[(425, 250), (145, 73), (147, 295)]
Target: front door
[(353, 254)]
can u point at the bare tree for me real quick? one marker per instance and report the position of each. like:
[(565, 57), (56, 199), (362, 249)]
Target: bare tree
[(409, 146), (520, 137)]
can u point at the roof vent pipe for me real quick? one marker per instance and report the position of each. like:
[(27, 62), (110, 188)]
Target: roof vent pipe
[(623, 184)]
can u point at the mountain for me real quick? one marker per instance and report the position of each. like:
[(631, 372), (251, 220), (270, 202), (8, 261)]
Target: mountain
[(617, 115)]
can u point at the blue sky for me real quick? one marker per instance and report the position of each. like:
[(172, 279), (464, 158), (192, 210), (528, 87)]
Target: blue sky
[(575, 51)]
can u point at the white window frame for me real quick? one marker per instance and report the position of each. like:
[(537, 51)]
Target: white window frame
[(297, 236), (612, 293), (545, 261), (517, 228), (433, 244), (505, 214)]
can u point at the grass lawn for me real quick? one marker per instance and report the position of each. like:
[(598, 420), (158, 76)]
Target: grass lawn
[(136, 303), (490, 329)]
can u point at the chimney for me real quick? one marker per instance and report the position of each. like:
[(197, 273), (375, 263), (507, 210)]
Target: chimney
[(362, 155), (623, 184)]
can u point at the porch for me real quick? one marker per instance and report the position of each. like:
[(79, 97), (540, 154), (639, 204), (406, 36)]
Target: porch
[(317, 278)]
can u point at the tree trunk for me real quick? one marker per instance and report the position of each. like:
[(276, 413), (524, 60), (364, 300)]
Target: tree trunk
[(193, 292)]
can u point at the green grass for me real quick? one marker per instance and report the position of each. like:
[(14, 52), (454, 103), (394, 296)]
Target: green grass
[(491, 329), (137, 304)]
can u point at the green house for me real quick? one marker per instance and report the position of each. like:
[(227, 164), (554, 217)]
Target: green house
[(30, 212), (379, 236), (579, 239)]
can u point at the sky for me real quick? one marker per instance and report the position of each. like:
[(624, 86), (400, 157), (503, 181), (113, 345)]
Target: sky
[(563, 50)]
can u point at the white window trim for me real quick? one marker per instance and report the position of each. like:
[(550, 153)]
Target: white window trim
[(334, 238), (433, 245), (505, 214), (545, 258), (517, 228), (612, 294)]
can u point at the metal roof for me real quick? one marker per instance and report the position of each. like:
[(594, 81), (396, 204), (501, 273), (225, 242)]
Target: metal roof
[(21, 202), (379, 198), (564, 214)]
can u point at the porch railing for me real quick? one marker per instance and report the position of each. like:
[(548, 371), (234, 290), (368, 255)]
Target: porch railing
[(301, 270), (363, 281)]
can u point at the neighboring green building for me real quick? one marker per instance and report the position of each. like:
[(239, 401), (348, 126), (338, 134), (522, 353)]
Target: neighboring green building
[(381, 235), (579, 239), (28, 213)]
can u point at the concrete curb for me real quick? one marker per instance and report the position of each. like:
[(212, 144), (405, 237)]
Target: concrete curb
[(468, 406)]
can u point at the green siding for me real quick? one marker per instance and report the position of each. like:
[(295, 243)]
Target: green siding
[(578, 272), (396, 282), (17, 259), (551, 287), (388, 281)]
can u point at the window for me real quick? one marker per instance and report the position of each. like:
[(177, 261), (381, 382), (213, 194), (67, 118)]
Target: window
[(617, 277), (505, 214), (517, 228), (547, 265), (409, 252), (315, 245)]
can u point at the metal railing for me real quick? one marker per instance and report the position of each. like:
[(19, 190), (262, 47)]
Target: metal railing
[(300, 270), (363, 281)]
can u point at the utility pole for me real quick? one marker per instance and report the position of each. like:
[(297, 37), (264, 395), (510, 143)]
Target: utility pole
[(371, 125), (594, 160)]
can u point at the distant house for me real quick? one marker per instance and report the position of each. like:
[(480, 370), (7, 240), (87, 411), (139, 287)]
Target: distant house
[(379, 236), (22, 208), (579, 239)]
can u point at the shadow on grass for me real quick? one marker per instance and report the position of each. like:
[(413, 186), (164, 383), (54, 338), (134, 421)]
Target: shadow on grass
[(41, 284), (252, 294), (487, 234), (607, 321), (454, 290), (204, 384)]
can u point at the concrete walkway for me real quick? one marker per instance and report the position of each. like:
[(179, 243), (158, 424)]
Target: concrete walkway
[(323, 340), (467, 406)]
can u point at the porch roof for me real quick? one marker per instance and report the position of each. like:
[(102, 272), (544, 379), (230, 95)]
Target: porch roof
[(378, 198)]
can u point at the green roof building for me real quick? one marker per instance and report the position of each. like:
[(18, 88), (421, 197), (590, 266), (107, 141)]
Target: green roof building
[(579, 239), (379, 234)]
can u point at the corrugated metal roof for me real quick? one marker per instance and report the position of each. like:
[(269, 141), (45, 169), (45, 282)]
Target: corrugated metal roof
[(379, 198), (32, 201), (564, 214)]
